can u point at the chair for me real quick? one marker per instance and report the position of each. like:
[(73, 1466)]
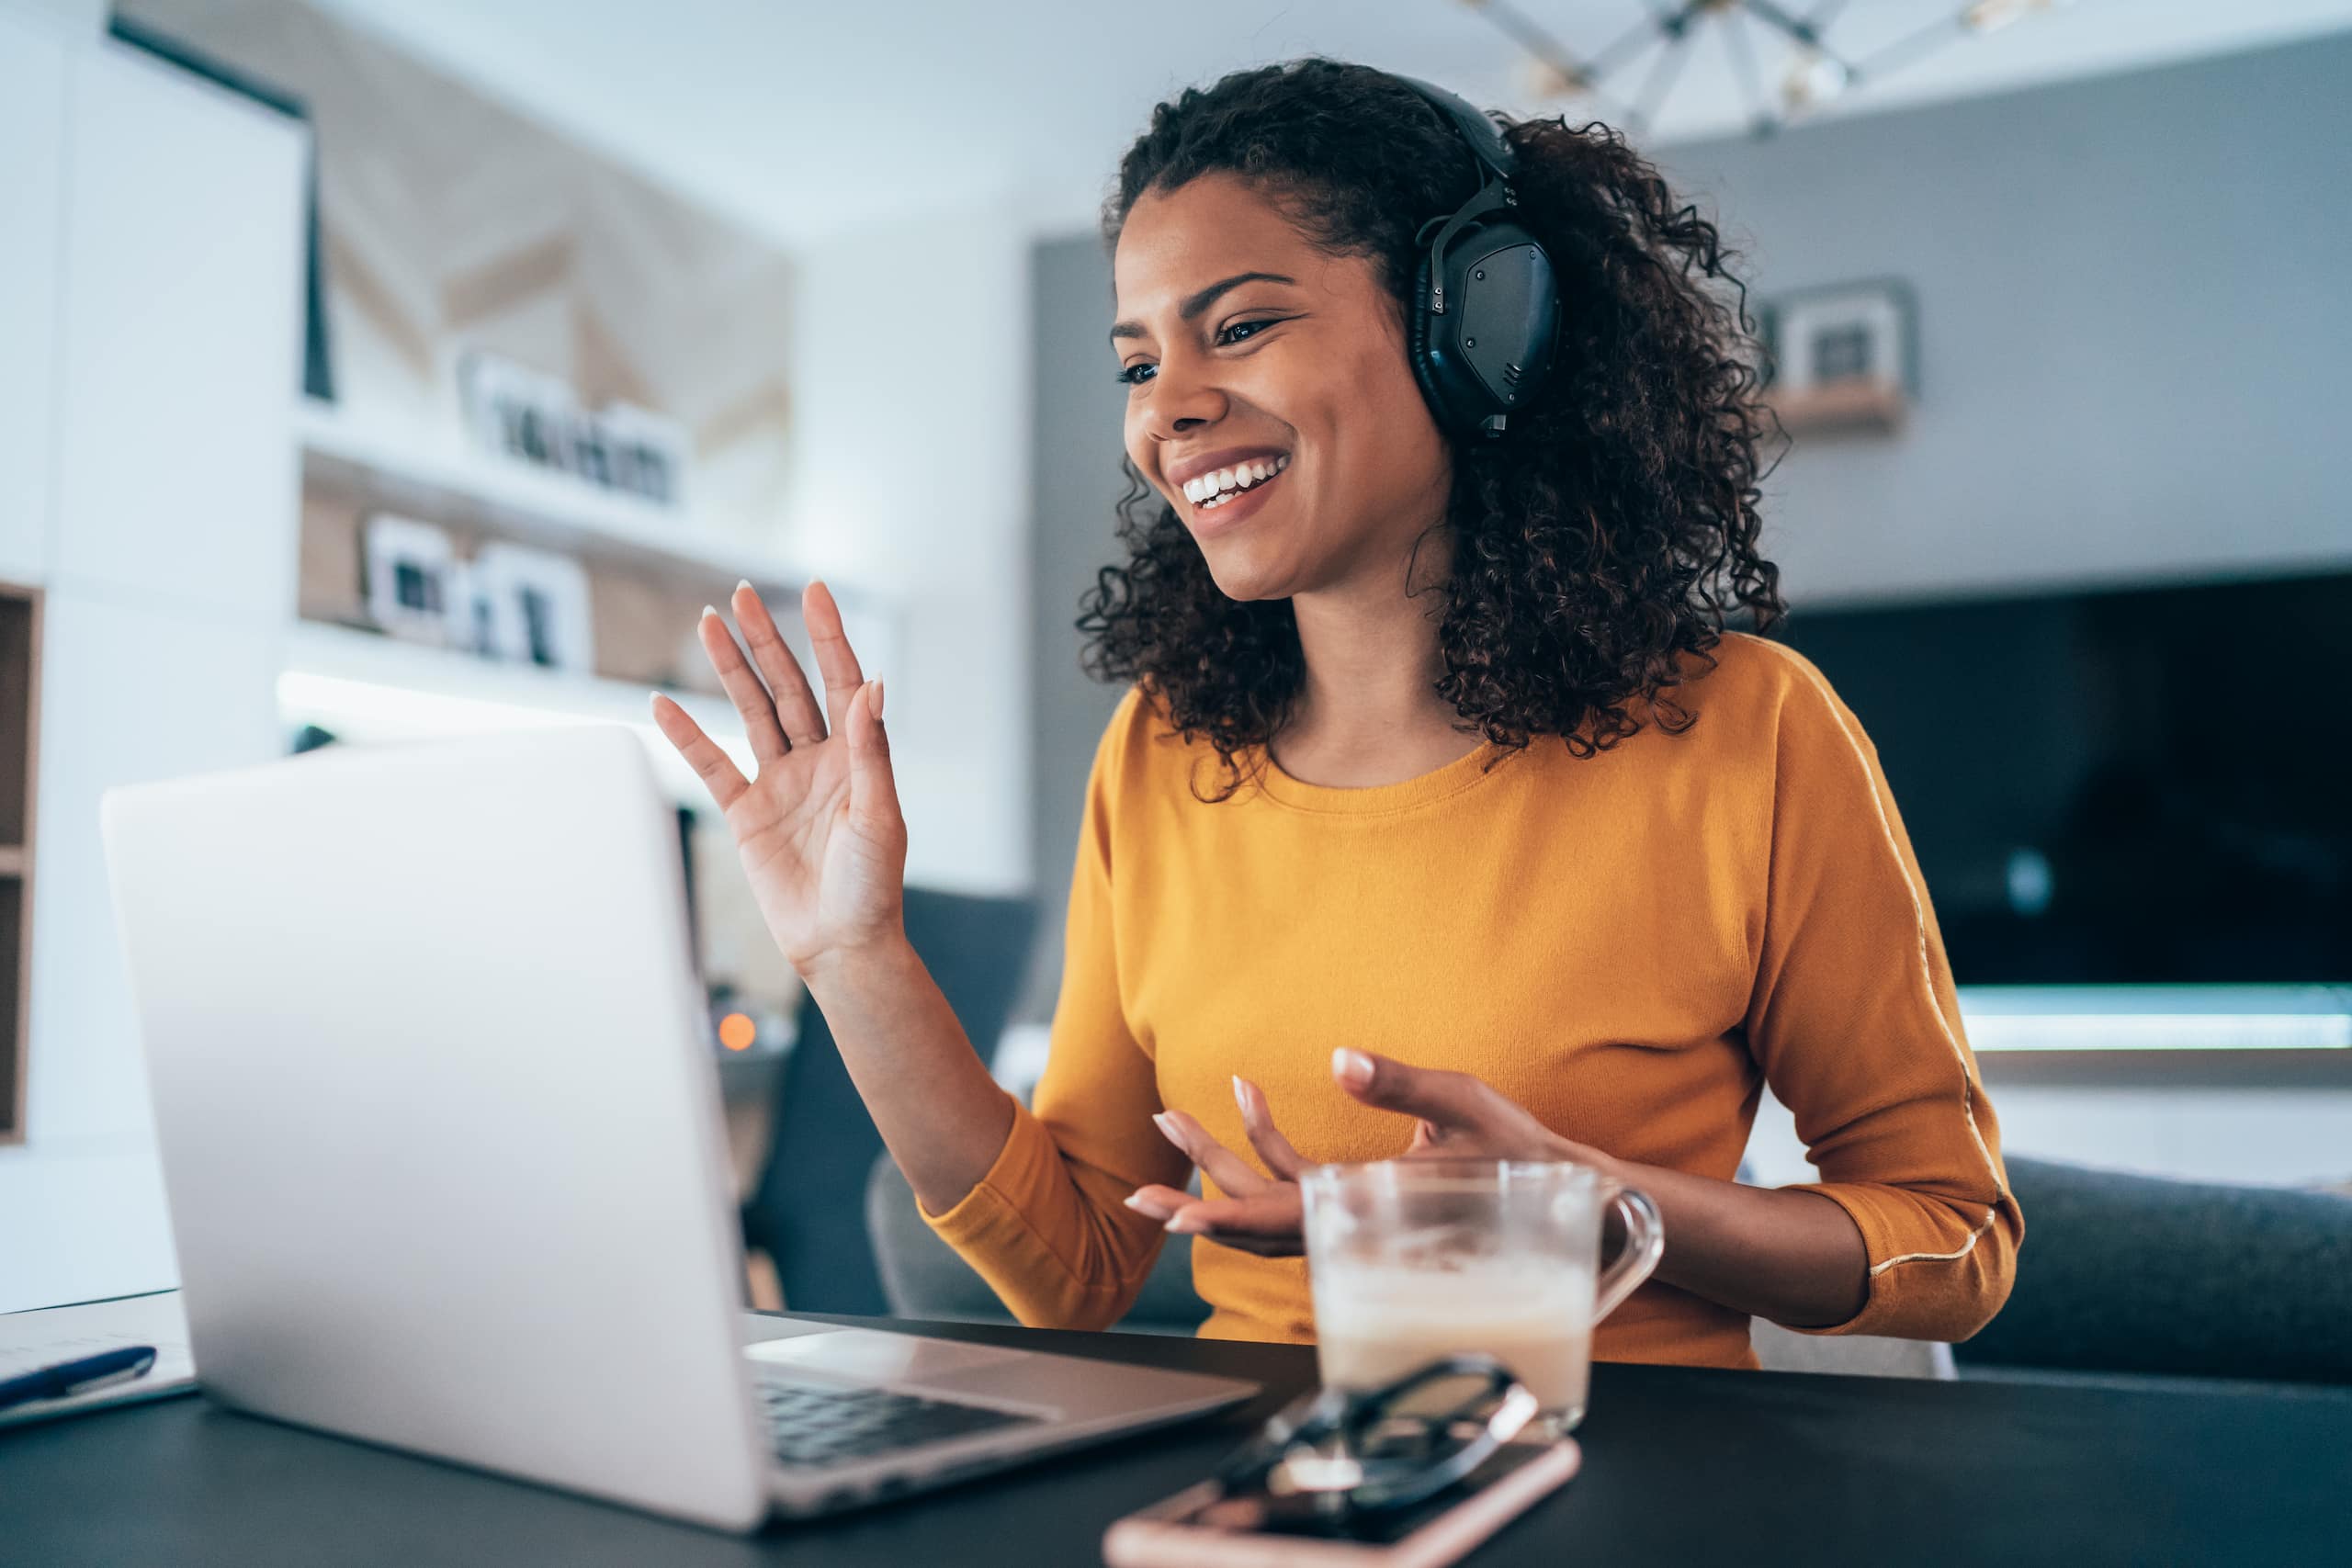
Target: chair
[(922, 1276), (2145, 1275), (807, 1212)]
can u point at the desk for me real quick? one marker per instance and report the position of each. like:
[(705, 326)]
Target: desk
[(1682, 1466)]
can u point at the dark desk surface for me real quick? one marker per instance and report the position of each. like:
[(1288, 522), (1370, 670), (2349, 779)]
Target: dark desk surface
[(1680, 1466)]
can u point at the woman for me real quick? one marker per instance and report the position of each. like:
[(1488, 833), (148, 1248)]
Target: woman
[(1442, 814)]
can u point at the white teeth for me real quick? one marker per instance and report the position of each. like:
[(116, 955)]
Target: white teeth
[(1205, 490)]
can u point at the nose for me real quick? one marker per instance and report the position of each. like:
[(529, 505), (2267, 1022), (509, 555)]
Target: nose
[(1184, 395)]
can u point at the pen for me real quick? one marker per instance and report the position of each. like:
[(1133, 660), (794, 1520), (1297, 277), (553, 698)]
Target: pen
[(69, 1377)]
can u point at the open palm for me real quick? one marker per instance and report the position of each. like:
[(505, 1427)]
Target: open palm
[(819, 828)]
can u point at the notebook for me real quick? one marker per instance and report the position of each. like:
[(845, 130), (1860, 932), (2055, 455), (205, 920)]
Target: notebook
[(31, 1340)]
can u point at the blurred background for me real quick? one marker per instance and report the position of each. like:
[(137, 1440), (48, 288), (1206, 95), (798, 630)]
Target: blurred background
[(376, 370)]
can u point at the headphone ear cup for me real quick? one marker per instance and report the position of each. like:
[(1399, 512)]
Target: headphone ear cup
[(1416, 348)]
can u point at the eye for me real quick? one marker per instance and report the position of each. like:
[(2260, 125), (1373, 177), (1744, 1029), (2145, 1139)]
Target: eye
[(1127, 377)]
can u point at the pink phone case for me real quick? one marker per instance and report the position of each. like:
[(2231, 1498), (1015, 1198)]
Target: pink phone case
[(1155, 1536)]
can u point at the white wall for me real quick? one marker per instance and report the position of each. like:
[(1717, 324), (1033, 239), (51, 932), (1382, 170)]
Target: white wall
[(911, 379), (2130, 294), (32, 139), (163, 537)]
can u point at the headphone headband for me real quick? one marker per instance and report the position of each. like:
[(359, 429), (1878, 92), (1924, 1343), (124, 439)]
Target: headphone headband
[(1486, 139)]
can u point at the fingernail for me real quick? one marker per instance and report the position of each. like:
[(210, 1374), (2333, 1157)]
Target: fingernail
[(1183, 1225), (742, 585), (1352, 1067), (1134, 1200), (708, 611), (1167, 1125), (877, 696)]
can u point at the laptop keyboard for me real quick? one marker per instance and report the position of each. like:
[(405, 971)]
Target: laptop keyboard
[(826, 1423)]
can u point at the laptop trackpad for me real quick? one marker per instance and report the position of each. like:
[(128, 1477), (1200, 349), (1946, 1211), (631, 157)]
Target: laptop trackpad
[(879, 1358)]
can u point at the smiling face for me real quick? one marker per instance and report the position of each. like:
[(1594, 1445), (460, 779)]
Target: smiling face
[(1251, 352)]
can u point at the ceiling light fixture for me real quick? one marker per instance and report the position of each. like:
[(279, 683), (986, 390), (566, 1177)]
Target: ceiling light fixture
[(1816, 72)]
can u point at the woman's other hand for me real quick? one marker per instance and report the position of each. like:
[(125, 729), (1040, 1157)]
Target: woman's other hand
[(1456, 1117), (818, 828)]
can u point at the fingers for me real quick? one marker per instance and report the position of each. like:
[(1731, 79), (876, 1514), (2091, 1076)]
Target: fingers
[(1221, 1165), (835, 661), (714, 767), (796, 705), (1158, 1203), (1272, 1224), (1451, 1101), (743, 688), (1264, 1136), (873, 788)]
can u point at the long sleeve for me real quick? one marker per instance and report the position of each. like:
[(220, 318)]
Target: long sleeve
[(1046, 1227), (1857, 1027)]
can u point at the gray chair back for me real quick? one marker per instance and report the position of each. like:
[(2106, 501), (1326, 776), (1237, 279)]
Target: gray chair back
[(922, 1276), (2142, 1274)]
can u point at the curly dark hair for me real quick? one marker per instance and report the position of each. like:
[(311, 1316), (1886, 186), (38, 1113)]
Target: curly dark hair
[(1606, 536)]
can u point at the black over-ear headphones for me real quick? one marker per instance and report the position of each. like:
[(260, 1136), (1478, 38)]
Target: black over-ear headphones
[(1486, 306)]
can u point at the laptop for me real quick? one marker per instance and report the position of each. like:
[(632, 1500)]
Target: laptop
[(441, 1136)]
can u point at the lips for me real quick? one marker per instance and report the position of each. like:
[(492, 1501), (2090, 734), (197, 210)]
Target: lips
[(1227, 514), (1181, 473)]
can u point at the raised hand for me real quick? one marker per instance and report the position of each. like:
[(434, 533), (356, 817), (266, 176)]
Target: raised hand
[(818, 829)]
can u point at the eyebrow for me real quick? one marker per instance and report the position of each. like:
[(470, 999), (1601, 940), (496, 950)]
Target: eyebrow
[(1199, 303)]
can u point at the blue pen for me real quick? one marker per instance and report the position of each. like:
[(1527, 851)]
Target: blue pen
[(70, 1378)]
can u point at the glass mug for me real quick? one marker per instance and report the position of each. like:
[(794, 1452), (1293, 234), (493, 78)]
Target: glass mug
[(1411, 1260)]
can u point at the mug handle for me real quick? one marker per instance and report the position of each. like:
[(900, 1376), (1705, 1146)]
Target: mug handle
[(1645, 1245)]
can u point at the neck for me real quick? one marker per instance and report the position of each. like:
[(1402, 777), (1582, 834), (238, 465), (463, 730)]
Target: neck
[(1368, 710)]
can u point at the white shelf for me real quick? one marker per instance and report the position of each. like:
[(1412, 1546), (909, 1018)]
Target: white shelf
[(2157, 1018), (552, 510), (367, 687)]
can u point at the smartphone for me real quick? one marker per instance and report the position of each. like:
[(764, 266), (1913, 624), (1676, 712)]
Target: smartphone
[(1204, 1528)]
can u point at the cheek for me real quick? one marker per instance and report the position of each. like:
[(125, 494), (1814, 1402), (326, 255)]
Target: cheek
[(1393, 440)]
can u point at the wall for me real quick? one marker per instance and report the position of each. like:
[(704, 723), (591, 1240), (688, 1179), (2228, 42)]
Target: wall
[(1076, 440), (2130, 342), (450, 224), (163, 537), (911, 476), (2130, 331)]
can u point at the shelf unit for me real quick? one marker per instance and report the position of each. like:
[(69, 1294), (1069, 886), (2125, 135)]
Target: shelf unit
[(508, 499), (366, 686), (20, 619)]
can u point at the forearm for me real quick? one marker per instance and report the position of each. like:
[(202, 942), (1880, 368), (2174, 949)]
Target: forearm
[(1794, 1257), (943, 1117)]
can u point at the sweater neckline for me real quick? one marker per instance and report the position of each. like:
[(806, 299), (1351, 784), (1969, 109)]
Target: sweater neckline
[(1465, 771)]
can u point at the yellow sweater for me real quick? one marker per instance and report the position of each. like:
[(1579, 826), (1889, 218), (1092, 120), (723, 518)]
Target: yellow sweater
[(1629, 945)]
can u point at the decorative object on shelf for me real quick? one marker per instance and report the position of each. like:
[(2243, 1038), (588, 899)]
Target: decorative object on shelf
[(529, 416), (414, 580), (1812, 69), (1842, 358), (532, 607)]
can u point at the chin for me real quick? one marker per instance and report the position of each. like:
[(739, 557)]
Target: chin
[(1239, 577)]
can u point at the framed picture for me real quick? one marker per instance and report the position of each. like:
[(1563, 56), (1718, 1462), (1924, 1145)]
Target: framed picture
[(1844, 356), (413, 581), (532, 606)]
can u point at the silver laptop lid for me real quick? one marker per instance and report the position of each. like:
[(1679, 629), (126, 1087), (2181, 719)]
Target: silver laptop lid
[(440, 1130)]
